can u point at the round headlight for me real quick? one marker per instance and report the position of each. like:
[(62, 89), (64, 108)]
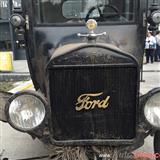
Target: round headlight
[(17, 20), (156, 17), (26, 111), (152, 110)]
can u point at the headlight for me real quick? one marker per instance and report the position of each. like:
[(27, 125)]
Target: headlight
[(26, 111), (17, 20), (156, 17), (152, 109)]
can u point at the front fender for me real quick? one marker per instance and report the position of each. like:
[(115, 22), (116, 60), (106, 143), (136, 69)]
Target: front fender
[(4, 96)]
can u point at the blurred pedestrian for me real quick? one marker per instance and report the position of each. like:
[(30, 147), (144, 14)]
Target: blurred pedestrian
[(150, 47), (157, 58)]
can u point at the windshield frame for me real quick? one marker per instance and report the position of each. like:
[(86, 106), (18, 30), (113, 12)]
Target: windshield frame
[(38, 23)]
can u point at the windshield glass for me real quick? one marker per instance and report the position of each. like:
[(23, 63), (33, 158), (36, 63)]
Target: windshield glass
[(79, 11)]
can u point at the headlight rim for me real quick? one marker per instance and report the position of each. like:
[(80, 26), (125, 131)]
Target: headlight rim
[(33, 93), (148, 97)]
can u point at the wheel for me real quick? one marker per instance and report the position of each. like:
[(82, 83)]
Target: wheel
[(157, 144)]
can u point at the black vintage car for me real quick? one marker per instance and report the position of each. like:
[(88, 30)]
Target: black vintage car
[(85, 58)]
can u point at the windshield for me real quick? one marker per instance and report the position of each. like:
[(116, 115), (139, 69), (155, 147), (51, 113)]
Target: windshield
[(79, 11)]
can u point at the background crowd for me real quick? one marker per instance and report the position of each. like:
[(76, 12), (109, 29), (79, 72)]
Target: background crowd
[(152, 47)]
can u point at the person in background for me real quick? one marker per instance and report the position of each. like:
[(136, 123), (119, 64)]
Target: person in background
[(157, 58), (150, 47)]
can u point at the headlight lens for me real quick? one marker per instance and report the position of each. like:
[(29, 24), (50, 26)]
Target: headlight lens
[(156, 17), (17, 20), (152, 110), (26, 112)]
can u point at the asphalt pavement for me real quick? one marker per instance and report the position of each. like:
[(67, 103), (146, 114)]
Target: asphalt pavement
[(17, 145)]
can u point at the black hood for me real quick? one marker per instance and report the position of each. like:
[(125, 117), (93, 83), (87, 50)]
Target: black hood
[(90, 54)]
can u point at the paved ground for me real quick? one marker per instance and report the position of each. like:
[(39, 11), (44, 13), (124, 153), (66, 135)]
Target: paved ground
[(20, 66), (20, 72), (151, 75), (18, 145), (15, 145)]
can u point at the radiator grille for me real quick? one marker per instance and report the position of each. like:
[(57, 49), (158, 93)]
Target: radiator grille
[(117, 121)]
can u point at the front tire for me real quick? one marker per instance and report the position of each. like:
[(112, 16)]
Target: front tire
[(157, 144)]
